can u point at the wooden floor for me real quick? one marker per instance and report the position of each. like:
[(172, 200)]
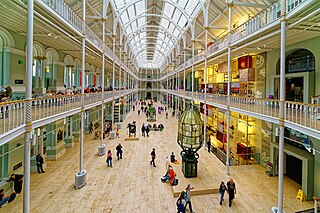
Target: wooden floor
[(133, 185)]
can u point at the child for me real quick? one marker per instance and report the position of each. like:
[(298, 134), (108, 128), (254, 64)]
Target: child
[(117, 133)]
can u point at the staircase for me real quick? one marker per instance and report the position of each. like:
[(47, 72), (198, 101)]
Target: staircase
[(116, 112)]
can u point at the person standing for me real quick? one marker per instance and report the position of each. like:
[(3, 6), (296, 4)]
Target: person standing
[(17, 182), (119, 151), (153, 157), (138, 111), (231, 189), (222, 189), (90, 127), (188, 197), (39, 160), (147, 130), (143, 129), (181, 203), (166, 115), (209, 145), (109, 158)]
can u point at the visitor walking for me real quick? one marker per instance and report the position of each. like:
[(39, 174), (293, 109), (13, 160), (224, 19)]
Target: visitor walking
[(181, 203), (222, 189), (188, 197), (231, 189), (143, 129), (153, 157), (138, 111), (166, 115), (119, 151), (147, 130), (109, 158), (39, 160)]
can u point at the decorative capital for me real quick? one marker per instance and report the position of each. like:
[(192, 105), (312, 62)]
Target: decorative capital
[(40, 57)]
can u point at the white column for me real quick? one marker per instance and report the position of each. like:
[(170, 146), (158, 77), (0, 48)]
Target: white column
[(120, 85), (26, 190), (41, 141), (192, 71), (184, 79), (113, 80), (101, 148), (282, 103), (229, 89), (82, 173), (43, 71), (205, 88)]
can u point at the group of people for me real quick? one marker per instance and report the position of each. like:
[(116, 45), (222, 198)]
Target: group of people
[(184, 200), (145, 129), (118, 152), (230, 188), (17, 180)]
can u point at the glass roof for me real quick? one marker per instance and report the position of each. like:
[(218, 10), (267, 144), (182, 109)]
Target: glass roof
[(135, 16)]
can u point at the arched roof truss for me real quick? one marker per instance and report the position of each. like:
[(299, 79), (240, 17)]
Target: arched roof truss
[(170, 20)]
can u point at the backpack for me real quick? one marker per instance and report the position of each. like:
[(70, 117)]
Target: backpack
[(175, 182), (12, 197), (185, 197)]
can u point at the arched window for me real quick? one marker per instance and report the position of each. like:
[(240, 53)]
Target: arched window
[(300, 60), (6, 41), (68, 79)]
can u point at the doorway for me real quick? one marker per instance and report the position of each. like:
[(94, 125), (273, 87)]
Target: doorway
[(294, 168), (148, 95), (294, 88)]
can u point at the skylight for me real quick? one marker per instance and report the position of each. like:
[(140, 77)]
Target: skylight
[(174, 19)]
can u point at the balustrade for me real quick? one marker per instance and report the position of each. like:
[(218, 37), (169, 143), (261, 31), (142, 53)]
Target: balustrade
[(303, 114), (12, 113)]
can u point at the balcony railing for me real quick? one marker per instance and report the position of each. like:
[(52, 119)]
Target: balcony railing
[(302, 114), (64, 10), (12, 113)]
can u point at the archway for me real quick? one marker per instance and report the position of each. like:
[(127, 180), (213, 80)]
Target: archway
[(6, 41), (148, 96), (299, 72)]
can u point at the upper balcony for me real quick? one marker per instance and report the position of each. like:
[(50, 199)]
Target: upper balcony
[(61, 10), (262, 26), (300, 116)]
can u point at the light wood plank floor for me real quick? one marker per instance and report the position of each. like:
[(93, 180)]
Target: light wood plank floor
[(132, 185)]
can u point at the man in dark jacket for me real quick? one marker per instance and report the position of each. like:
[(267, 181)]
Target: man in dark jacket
[(119, 151), (17, 182), (143, 129), (153, 156), (39, 160)]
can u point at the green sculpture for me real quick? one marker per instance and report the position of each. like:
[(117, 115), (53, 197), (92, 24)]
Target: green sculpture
[(151, 114)]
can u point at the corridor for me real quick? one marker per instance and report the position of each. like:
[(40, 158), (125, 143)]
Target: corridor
[(133, 185)]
